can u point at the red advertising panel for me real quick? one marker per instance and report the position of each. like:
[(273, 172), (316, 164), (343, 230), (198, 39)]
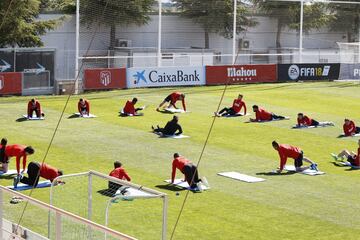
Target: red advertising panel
[(240, 74), (104, 78), (10, 83)]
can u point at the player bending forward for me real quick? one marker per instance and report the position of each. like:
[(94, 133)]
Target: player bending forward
[(172, 99), (34, 106), (120, 173), (351, 157), (15, 150), (188, 169), (286, 151), (130, 109), (84, 107), (235, 109), (349, 128)]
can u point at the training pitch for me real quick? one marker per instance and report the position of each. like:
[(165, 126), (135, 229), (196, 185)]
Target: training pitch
[(287, 206)]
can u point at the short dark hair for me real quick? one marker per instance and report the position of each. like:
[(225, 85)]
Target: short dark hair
[(183, 95), (255, 106), (301, 114), (3, 142), (33, 100), (60, 173), (240, 95), (81, 99), (175, 118), (275, 144), (117, 164), (176, 155), (29, 149), (135, 99)]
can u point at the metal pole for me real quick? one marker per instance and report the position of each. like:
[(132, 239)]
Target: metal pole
[(77, 37), (159, 35), (234, 33), (165, 205), (1, 214), (301, 30), (58, 226)]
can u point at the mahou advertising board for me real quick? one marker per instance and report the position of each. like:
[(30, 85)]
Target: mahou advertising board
[(104, 78), (237, 74)]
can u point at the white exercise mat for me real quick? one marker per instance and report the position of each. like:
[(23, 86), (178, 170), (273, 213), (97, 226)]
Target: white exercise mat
[(343, 135), (310, 172), (123, 114), (183, 184), (10, 172), (236, 115), (133, 192), (241, 177), (321, 124), (346, 164), (174, 110), (22, 187), (85, 116), (171, 136), (33, 118)]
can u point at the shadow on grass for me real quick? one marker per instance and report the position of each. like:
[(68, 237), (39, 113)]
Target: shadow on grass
[(165, 112), (7, 176), (276, 174), (107, 192), (73, 116), (352, 169), (22, 119), (170, 187)]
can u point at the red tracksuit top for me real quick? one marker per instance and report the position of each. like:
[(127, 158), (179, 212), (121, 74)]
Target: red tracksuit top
[(120, 173), (357, 158), (306, 121), (17, 151), (48, 172), (287, 151), (263, 115), (175, 97), (86, 105), (129, 108), (32, 106), (349, 129), (178, 163), (238, 104)]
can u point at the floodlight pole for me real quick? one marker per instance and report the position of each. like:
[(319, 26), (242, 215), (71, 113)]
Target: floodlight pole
[(301, 30), (234, 33), (159, 36), (77, 37)]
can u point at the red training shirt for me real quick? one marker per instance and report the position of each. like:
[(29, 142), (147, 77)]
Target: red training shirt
[(287, 151), (31, 106), (349, 129), (306, 121), (120, 173), (175, 96), (178, 163), (357, 159), (263, 115), (48, 172), (129, 108), (86, 104), (238, 104), (17, 151)]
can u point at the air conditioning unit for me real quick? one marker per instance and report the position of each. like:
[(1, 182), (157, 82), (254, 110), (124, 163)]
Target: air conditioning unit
[(123, 43), (243, 43)]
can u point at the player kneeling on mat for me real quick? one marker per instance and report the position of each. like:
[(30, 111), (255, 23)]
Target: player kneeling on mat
[(188, 169), (287, 151)]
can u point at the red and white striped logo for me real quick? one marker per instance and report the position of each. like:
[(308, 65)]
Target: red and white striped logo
[(105, 77)]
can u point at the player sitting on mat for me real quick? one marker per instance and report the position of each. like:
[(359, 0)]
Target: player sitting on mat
[(35, 171), (351, 157), (129, 109), (120, 173), (172, 99), (34, 106), (349, 128), (234, 110), (286, 151), (171, 128), (84, 107), (263, 115), (188, 169), (18, 151)]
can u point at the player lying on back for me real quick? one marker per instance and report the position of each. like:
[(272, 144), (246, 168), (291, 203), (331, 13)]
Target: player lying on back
[(130, 109), (37, 170), (171, 128), (262, 115), (351, 157), (172, 99), (350, 128), (84, 107), (287, 151), (34, 106), (238, 104)]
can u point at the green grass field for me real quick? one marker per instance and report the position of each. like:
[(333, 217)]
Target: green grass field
[(283, 207)]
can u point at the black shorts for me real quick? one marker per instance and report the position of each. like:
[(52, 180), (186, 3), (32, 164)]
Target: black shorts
[(167, 99), (298, 162), (314, 123), (351, 159)]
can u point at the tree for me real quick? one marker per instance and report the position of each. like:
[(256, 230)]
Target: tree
[(215, 16), (19, 25), (115, 12), (288, 15), (346, 19), (63, 6)]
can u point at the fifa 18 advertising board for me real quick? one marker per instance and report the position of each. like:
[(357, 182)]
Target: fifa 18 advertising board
[(310, 72), (165, 76)]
